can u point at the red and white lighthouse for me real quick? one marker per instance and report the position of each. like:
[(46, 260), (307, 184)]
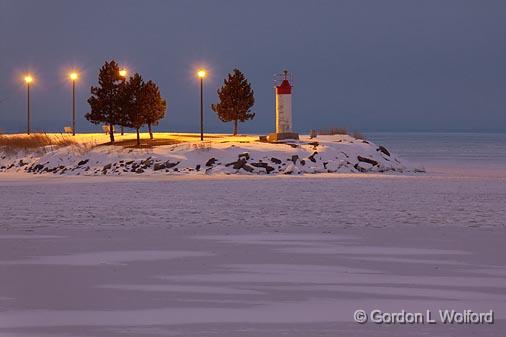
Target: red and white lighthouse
[(284, 105), (283, 88)]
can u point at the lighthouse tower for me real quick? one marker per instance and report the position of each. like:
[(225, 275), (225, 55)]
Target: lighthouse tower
[(283, 88)]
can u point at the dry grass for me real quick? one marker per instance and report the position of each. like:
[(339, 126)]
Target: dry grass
[(145, 143), (35, 141), (205, 145)]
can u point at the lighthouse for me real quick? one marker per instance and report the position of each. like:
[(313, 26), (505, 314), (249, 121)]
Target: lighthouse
[(283, 89)]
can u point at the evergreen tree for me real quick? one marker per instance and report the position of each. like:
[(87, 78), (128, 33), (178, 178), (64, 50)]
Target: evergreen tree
[(154, 106), (133, 104), (105, 99), (236, 99)]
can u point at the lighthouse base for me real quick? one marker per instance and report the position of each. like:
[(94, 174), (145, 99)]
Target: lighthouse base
[(277, 136)]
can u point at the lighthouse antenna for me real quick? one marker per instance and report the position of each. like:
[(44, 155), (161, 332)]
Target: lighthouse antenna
[(282, 76)]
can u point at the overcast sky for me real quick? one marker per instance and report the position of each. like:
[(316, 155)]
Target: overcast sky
[(366, 65)]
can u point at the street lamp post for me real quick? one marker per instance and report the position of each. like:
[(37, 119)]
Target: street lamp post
[(201, 74), (123, 72), (73, 76), (28, 80)]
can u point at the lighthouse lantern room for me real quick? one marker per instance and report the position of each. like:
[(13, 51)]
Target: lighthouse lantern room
[(283, 87)]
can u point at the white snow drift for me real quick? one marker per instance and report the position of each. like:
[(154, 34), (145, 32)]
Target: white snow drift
[(225, 155)]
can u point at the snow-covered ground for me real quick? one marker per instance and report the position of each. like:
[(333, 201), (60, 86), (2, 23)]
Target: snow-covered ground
[(218, 154), (216, 255)]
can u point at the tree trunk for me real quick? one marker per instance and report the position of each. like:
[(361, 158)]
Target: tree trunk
[(138, 138), (150, 131), (111, 132), (122, 130), (235, 127)]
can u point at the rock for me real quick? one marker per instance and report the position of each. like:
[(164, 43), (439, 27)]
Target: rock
[(244, 155), (363, 166), (269, 169), (159, 166), (129, 162), (295, 158), (303, 162), (367, 160), (263, 165), (138, 171), (169, 165), (107, 167), (275, 160), (239, 164), (197, 167), (211, 162), (38, 167), (248, 168), (359, 168), (384, 150), (147, 162), (311, 157), (82, 162)]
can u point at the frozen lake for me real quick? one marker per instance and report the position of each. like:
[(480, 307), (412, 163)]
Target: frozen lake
[(253, 256)]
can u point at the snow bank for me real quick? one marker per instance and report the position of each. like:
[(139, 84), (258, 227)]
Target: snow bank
[(221, 155)]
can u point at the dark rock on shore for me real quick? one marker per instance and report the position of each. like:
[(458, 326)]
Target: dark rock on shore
[(244, 155), (384, 150), (159, 166), (367, 160), (211, 162), (82, 162), (311, 157)]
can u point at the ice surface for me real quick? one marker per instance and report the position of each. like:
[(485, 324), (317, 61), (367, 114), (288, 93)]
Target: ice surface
[(251, 256), (249, 289)]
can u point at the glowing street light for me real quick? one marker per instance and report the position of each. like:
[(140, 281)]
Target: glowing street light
[(123, 72), (201, 74), (73, 77), (28, 79)]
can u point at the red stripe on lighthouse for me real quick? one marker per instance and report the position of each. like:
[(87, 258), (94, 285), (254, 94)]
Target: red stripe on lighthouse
[(284, 89)]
